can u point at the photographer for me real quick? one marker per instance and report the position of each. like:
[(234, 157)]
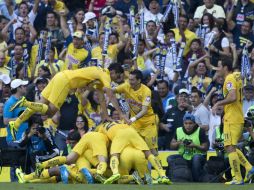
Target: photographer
[(39, 142), (192, 144), (248, 124)]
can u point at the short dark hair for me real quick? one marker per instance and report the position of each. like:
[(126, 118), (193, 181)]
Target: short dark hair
[(171, 31), (52, 12), (249, 21), (151, 22), (116, 67), (73, 135), (185, 16), (20, 28), (35, 119), (163, 82), (138, 74), (196, 40), (227, 62), (194, 89)]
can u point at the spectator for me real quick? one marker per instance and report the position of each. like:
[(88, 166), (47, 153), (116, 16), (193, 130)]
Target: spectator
[(71, 103), (192, 145), (125, 5), (39, 142), (165, 92), (243, 35), (248, 100), (18, 87), (210, 7), (183, 32), (3, 68), (173, 119), (153, 13), (199, 110), (243, 10)]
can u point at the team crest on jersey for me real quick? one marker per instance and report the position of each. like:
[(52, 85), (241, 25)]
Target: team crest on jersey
[(148, 99), (229, 86)]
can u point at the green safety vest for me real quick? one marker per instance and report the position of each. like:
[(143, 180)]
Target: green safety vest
[(188, 153), (219, 135)]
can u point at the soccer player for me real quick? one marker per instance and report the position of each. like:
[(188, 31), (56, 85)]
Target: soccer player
[(122, 135), (55, 93), (142, 118), (233, 121), (94, 141)]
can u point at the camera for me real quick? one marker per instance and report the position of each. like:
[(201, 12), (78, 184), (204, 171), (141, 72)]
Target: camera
[(219, 144), (248, 122), (187, 142), (41, 129)]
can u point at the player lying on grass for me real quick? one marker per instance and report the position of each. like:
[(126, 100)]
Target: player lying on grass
[(55, 93), (122, 135)]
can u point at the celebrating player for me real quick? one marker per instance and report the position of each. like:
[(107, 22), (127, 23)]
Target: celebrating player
[(233, 121)]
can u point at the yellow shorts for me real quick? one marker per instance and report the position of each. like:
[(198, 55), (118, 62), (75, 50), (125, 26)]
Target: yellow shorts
[(232, 133), (125, 137), (132, 159), (57, 90), (96, 142), (93, 160), (149, 134), (82, 162)]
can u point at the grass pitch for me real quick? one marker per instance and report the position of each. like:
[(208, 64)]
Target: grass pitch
[(177, 186)]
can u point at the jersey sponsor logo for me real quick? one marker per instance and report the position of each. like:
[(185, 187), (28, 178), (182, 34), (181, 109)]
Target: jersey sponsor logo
[(72, 60), (240, 17)]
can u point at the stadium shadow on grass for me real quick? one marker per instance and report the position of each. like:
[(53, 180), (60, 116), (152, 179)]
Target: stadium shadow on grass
[(176, 186)]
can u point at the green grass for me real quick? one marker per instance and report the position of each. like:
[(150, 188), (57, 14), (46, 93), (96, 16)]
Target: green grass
[(180, 186)]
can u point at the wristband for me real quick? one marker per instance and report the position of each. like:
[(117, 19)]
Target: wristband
[(133, 119)]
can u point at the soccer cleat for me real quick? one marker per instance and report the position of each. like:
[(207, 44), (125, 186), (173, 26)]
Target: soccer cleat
[(148, 179), (137, 178), (13, 129), (64, 174), (112, 179), (38, 169), (234, 182), (87, 175), (20, 175), (165, 180), (19, 103), (99, 178), (249, 174)]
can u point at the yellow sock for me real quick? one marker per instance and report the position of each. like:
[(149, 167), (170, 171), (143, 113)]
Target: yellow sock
[(101, 168), (76, 175), (59, 160), (93, 171), (36, 106), (235, 165), (155, 162), (45, 174), (114, 163), (23, 117), (125, 179), (243, 161), (30, 176)]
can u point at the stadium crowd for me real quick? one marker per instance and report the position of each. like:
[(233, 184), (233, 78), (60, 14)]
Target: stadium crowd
[(180, 72)]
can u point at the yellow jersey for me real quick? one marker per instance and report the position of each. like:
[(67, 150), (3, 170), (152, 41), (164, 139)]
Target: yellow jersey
[(205, 83), (137, 99), (93, 117), (233, 111), (110, 129), (75, 57), (110, 58), (5, 70), (82, 77), (57, 65), (189, 37), (34, 54)]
